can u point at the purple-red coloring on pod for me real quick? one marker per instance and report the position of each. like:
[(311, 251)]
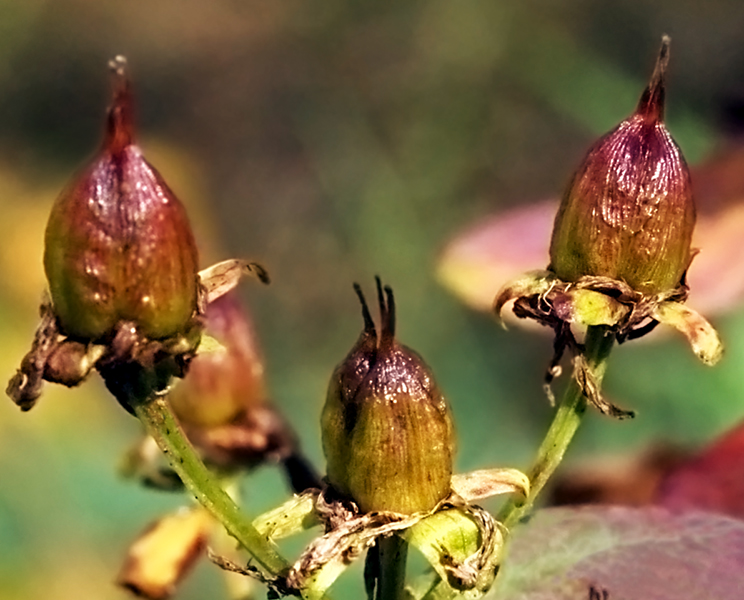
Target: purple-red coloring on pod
[(628, 213), (118, 245)]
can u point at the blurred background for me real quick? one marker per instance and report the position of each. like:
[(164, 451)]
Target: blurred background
[(332, 141)]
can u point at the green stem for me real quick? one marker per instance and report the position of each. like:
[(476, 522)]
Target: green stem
[(159, 421), (393, 554), (565, 423)]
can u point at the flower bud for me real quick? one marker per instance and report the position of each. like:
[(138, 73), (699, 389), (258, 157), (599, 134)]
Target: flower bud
[(118, 242), (387, 430), (222, 403), (628, 212), (223, 383)]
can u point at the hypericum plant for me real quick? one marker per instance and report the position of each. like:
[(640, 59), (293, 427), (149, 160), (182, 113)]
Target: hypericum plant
[(127, 300), (619, 252), (225, 411), (388, 440)]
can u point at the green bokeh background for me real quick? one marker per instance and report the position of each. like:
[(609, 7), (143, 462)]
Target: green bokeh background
[(333, 141)]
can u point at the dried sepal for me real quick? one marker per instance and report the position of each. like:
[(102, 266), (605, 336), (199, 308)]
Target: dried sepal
[(72, 361), (703, 338), (485, 483), (591, 308), (294, 516), (224, 276), (532, 284), (590, 389), (590, 300), (462, 541), (276, 586), (624, 312), (24, 388)]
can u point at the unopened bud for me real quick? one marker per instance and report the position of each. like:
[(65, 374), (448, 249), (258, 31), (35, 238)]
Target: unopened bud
[(628, 213), (222, 384), (118, 243), (387, 430), (222, 403)]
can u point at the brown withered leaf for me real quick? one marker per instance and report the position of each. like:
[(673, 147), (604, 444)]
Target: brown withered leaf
[(591, 391)]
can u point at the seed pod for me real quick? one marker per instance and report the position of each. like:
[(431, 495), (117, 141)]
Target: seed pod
[(387, 430), (628, 213), (118, 243)]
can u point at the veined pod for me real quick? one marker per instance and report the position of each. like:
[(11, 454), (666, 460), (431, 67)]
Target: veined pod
[(628, 213), (118, 243), (387, 430)]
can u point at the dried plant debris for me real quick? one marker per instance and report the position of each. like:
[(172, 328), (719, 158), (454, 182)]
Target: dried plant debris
[(462, 542), (568, 307)]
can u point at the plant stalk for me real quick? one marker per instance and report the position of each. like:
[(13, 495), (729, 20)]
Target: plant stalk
[(393, 554), (597, 347), (160, 423)]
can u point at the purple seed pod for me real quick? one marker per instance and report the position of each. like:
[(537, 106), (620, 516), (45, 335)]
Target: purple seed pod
[(118, 245), (628, 213)]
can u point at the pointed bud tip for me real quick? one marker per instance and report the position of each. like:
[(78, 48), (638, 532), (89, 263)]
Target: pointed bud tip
[(369, 324), (120, 129), (651, 104), (118, 65)]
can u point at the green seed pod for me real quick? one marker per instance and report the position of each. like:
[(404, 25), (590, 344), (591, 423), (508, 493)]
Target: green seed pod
[(387, 430), (628, 212), (118, 243)]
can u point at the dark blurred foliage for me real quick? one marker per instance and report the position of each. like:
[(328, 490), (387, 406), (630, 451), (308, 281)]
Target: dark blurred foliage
[(333, 141)]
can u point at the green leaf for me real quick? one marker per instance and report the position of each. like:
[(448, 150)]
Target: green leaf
[(628, 553)]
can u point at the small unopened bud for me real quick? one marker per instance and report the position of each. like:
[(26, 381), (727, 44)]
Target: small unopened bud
[(222, 403), (118, 243), (222, 384), (387, 430), (628, 212)]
